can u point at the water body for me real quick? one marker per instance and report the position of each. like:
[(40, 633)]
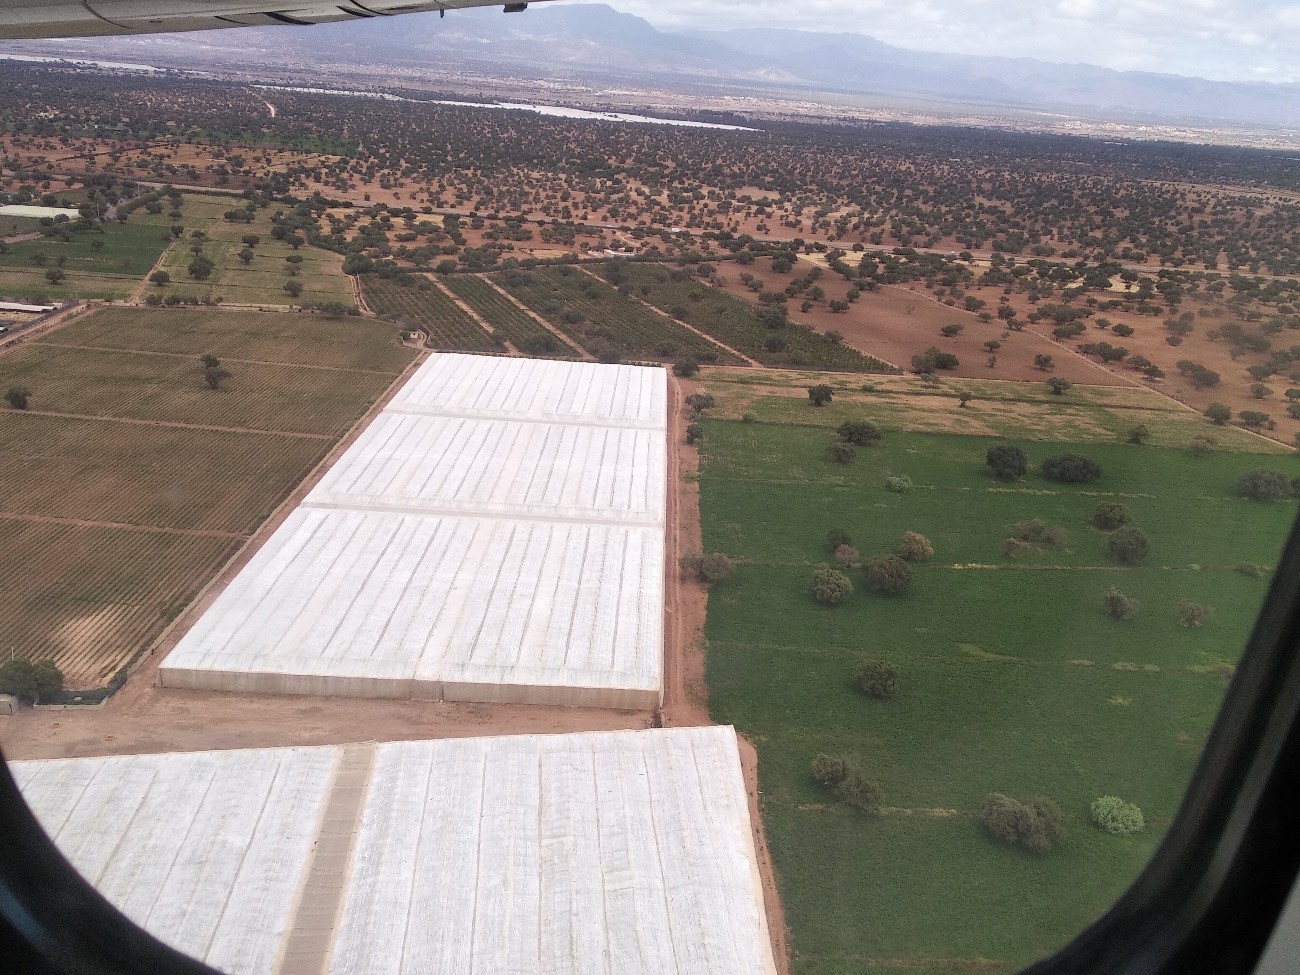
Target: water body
[(554, 111)]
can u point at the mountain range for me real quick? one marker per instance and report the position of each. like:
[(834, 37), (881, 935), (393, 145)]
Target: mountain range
[(595, 43)]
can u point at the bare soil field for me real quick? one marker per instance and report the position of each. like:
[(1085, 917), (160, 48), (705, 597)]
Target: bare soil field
[(128, 487)]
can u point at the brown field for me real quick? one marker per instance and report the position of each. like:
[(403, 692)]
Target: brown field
[(128, 482)]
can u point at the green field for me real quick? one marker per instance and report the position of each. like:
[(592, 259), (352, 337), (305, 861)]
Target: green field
[(105, 264), (1013, 678)]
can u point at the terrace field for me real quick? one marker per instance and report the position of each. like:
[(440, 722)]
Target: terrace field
[(128, 482), (1013, 678)]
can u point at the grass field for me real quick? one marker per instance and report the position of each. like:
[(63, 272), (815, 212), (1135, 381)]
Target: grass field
[(128, 481), (95, 265), (423, 303), (733, 322), (1013, 678), (262, 280), (608, 319)]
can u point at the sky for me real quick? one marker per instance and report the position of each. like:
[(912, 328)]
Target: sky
[(1228, 40)]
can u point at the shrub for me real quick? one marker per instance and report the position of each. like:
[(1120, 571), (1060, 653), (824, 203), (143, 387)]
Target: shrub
[(1263, 484), (685, 368), (1140, 434), (30, 681), (820, 395), (1013, 548), (1128, 545), (1200, 446), (1112, 814), (700, 401), (836, 538), (1036, 824), (914, 547), (1110, 515), (1036, 532), (1071, 469), (748, 418), (846, 555), (1117, 605), (898, 483), (18, 397), (841, 452), (1058, 386), (830, 770), (1252, 570), (1193, 615), (214, 376), (1218, 414), (864, 433), (707, 568), (876, 678), (888, 575), (861, 793), (1007, 462), (831, 587)]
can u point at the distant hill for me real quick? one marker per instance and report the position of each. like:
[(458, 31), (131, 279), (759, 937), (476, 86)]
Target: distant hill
[(596, 42)]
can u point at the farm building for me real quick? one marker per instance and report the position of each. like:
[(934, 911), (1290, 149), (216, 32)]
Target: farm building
[(618, 851), (495, 534)]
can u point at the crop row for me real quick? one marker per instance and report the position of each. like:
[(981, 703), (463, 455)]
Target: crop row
[(601, 319), (89, 598), (292, 339), (516, 326), (424, 304), (735, 323)]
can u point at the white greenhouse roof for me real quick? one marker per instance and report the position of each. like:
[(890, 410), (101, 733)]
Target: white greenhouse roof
[(495, 534), (613, 852), (205, 850)]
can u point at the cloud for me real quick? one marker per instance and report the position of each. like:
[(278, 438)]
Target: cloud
[(1222, 39)]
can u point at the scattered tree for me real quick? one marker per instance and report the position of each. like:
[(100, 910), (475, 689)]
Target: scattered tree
[(1218, 414), (1263, 484), (1193, 615), (685, 368), (1110, 515), (1071, 469), (831, 587), (841, 452), (1007, 462), (30, 681), (160, 278), (846, 556), (915, 547), (820, 395), (214, 376), (18, 397), (1044, 362), (1110, 814), (837, 538), (878, 679), (1118, 606), (1128, 545), (1058, 386), (864, 433), (1036, 824), (888, 575), (707, 568), (1140, 434), (694, 433)]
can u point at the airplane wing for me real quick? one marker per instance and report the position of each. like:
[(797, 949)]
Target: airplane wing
[(96, 18)]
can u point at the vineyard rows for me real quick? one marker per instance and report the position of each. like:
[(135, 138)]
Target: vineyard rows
[(292, 339), (599, 318), (170, 477), (735, 323), (514, 325), (423, 303), (89, 598), (136, 386)]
